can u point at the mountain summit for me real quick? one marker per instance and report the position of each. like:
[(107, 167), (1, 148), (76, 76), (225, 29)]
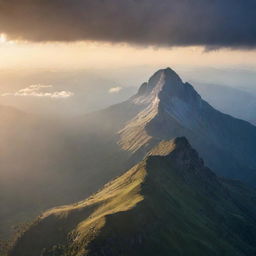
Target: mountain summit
[(180, 100), (156, 82), (166, 91), (168, 204)]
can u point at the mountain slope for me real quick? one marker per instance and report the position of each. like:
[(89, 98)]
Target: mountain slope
[(168, 204), (173, 108), (230, 100)]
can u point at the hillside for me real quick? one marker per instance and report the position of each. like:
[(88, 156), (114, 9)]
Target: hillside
[(168, 204)]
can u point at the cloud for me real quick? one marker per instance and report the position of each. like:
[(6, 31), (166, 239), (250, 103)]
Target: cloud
[(211, 23), (116, 89), (38, 91)]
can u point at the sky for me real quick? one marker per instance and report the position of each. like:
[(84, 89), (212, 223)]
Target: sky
[(102, 33), (101, 55), (122, 42), (209, 23)]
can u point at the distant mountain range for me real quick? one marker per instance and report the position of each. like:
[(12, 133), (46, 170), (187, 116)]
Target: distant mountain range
[(52, 162), (238, 103), (168, 204)]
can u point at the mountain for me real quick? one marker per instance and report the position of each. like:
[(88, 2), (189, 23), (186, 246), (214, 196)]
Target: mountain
[(168, 204), (230, 100), (47, 162), (172, 108)]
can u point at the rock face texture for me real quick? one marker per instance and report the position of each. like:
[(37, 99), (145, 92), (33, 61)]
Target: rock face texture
[(168, 204)]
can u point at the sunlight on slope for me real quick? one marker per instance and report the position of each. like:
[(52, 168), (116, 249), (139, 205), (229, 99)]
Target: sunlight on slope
[(119, 195)]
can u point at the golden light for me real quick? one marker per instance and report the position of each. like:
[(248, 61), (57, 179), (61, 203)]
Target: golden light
[(3, 38)]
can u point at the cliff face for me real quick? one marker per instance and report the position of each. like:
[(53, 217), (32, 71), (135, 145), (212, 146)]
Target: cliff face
[(168, 204)]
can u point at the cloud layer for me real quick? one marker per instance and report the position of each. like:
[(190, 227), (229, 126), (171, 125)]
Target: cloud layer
[(116, 89), (211, 23), (38, 91)]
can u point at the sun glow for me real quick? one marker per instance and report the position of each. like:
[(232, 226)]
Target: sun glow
[(76, 55), (3, 38)]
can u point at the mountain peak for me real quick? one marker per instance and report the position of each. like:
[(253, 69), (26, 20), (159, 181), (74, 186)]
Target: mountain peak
[(170, 73), (165, 148), (164, 97), (167, 88), (156, 82), (181, 154)]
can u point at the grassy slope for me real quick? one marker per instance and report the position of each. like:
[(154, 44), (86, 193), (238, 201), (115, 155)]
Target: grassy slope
[(166, 205)]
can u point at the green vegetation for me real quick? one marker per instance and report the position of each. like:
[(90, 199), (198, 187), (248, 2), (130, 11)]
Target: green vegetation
[(168, 204)]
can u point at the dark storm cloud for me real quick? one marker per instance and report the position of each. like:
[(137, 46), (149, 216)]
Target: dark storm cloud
[(212, 23)]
